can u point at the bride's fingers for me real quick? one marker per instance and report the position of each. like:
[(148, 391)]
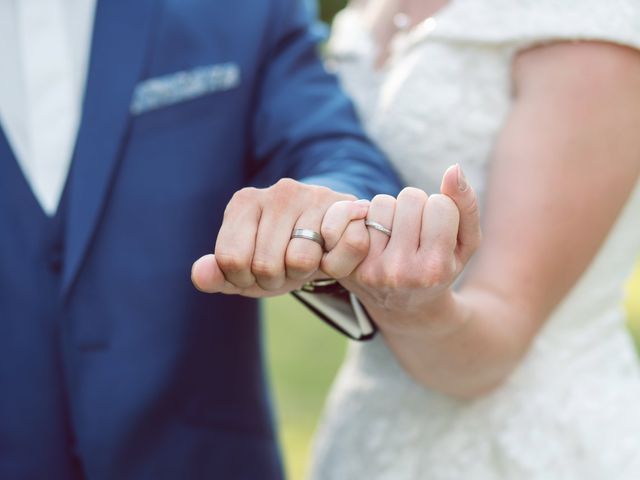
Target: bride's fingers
[(338, 217), (346, 238), (455, 186), (438, 237), (407, 222), (351, 250), (381, 212)]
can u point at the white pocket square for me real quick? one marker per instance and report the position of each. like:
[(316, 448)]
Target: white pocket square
[(185, 85)]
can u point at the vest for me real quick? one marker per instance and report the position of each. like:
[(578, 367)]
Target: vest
[(31, 312)]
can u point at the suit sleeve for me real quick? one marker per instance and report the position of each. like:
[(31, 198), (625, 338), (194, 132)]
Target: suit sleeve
[(304, 126)]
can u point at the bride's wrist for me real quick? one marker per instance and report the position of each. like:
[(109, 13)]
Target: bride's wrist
[(441, 317)]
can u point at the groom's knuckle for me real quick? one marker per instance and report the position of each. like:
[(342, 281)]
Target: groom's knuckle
[(279, 203), (265, 268), (244, 196), (284, 195), (301, 261), (286, 184), (239, 201), (319, 193), (232, 262), (286, 189)]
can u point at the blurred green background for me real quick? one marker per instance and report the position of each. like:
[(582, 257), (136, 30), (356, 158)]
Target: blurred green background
[(304, 355)]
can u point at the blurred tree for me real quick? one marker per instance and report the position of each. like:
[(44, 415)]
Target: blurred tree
[(328, 8)]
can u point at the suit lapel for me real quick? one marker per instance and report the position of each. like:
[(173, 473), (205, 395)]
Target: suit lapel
[(118, 53)]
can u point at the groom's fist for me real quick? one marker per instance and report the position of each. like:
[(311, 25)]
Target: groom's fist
[(254, 253)]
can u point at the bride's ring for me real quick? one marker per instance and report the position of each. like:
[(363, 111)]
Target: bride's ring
[(308, 234), (377, 226)]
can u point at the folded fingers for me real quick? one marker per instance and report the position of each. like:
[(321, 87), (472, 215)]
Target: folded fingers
[(381, 214), (407, 222), (303, 255), (438, 239), (346, 238), (236, 240)]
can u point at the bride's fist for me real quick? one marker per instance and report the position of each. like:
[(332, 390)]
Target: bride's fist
[(418, 246)]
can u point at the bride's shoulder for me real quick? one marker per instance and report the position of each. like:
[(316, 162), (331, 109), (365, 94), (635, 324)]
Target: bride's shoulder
[(531, 21)]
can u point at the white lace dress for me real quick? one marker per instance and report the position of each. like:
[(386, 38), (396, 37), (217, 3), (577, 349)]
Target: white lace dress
[(572, 408)]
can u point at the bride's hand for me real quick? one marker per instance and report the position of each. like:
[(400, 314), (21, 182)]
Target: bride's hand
[(406, 277)]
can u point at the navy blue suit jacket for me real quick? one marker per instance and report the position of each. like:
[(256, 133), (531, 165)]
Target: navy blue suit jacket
[(131, 373)]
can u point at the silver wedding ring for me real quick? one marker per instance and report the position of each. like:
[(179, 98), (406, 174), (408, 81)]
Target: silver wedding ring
[(377, 226), (308, 234)]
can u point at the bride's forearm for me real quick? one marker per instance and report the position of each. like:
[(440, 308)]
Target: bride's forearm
[(478, 354)]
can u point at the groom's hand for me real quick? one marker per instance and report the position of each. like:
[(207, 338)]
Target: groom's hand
[(255, 254)]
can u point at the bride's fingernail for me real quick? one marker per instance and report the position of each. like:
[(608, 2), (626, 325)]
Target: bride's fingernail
[(462, 180)]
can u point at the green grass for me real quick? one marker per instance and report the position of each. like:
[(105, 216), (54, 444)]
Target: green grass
[(304, 355), (632, 304)]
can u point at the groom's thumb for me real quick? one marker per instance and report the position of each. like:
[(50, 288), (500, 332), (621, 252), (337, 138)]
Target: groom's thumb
[(455, 186), (206, 275)]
